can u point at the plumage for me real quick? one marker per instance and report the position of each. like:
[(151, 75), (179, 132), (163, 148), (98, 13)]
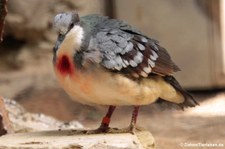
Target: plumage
[(108, 62), (147, 69), (140, 47), (128, 48), (143, 39), (138, 58), (154, 56), (151, 63)]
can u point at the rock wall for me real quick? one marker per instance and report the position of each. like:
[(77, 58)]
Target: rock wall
[(30, 20)]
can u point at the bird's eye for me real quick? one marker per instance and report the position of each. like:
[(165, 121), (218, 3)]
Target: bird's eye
[(71, 25)]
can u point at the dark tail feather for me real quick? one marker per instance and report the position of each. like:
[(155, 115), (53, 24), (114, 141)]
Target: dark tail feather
[(189, 100)]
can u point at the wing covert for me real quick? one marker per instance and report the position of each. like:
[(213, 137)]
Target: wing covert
[(128, 51)]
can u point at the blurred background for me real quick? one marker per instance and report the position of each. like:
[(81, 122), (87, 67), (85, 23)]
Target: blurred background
[(193, 32)]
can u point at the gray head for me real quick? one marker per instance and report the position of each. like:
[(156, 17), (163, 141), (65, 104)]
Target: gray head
[(63, 22)]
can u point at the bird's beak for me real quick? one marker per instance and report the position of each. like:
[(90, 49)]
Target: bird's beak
[(58, 42)]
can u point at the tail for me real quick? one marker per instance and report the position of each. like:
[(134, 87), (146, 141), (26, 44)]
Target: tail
[(189, 101)]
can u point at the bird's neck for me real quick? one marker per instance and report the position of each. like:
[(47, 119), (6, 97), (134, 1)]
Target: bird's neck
[(71, 45), (72, 41)]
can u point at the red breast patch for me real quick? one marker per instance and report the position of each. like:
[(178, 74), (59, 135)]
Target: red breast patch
[(64, 65)]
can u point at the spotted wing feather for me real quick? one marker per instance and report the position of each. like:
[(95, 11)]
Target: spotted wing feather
[(125, 50)]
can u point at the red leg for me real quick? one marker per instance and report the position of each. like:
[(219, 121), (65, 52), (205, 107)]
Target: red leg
[(106, 120), (134, 118)]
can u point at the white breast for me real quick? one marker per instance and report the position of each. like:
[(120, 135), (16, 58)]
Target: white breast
[(72, 41)]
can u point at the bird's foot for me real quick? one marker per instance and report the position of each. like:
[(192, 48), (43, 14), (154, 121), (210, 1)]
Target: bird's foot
[(104, 127), (126, 130), (129, 129), (101, 129)]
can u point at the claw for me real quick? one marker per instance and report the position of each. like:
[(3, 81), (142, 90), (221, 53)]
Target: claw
[(102, 129)]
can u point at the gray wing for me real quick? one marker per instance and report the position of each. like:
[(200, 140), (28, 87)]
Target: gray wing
[(124, 49)]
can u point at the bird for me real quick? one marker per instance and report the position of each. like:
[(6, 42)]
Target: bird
[(104, 61)]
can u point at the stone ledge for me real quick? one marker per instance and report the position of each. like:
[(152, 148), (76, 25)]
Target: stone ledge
[(5, 124), (75, 139)]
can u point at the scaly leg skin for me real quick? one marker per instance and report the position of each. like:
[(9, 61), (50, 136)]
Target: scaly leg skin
[(104, 127), (134, 119), (132, 128)]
